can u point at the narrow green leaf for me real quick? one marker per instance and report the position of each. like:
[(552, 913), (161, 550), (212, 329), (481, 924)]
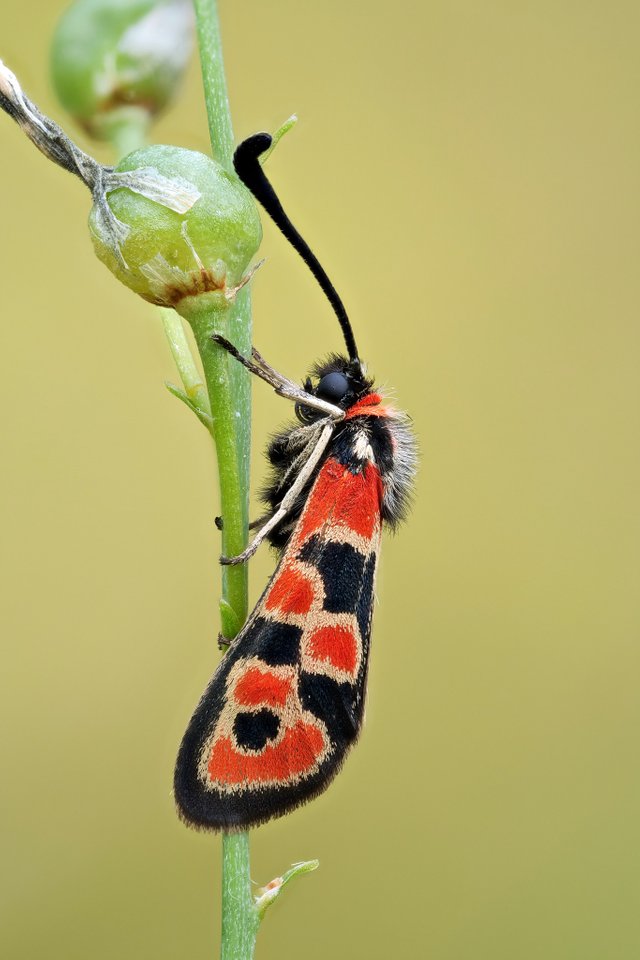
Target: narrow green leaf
[(272, 891), (278, 135), (201, 414)]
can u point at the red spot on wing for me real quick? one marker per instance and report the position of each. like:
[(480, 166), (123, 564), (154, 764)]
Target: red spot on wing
[(299, 750), (337, 645), (342, 497), (261, 688), (291, 592)]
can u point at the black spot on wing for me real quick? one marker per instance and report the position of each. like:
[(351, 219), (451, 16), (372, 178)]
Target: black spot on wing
[(341, 567), (254, 730), (333, 703), (275, 643)]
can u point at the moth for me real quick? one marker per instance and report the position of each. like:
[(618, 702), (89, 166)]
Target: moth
[(286, 703)]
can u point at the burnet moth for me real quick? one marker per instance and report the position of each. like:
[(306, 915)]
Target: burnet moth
[(286, 702)]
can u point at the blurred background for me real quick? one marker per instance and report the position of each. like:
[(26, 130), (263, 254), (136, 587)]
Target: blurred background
[(468, 174)]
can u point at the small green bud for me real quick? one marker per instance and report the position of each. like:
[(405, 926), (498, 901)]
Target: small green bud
[(196, 237), (120, 61)]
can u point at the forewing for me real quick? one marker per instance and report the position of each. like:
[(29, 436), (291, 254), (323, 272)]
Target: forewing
[(287, 699)]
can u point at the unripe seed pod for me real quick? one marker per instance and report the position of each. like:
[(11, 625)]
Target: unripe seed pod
[(168, 256), (116, 61)]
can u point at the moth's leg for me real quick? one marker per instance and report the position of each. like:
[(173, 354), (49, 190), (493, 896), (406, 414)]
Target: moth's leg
[(289, 498), (282, 386), (252, 367)]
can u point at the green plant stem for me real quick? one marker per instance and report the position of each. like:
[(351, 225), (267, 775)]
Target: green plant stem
[(239, 914), (222, 146), (239, 332), (214, 81), (228, 400), (209, 314), (238, 939)]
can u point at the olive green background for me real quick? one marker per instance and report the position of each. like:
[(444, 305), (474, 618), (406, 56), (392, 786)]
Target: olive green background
[(468, 174)]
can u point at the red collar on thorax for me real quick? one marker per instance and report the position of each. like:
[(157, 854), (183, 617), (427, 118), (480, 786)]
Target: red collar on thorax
[(369, 406)]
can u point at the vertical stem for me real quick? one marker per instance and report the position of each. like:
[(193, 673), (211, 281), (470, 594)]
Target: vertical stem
[(232, 426), (214, 81), (238, 939), (239, 332), (209, 314), (229, 394), (222, 146)]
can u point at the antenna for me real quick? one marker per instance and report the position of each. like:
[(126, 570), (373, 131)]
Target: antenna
[(249, 170)]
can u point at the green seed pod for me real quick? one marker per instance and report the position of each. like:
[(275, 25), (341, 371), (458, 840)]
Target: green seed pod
[(184, 226), (118, 62)]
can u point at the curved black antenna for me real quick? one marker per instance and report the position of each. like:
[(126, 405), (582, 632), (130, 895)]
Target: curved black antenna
[(249, 170)]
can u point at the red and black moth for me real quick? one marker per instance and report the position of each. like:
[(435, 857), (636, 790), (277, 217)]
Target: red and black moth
[(286, 702)]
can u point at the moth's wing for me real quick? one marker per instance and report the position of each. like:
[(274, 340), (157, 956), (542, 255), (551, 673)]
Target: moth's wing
[(287, 699)]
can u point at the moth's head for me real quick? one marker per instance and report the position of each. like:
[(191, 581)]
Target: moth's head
[(339, 381)]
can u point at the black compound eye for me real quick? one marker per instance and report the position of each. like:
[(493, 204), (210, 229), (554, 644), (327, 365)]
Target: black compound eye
[(333, 387)]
